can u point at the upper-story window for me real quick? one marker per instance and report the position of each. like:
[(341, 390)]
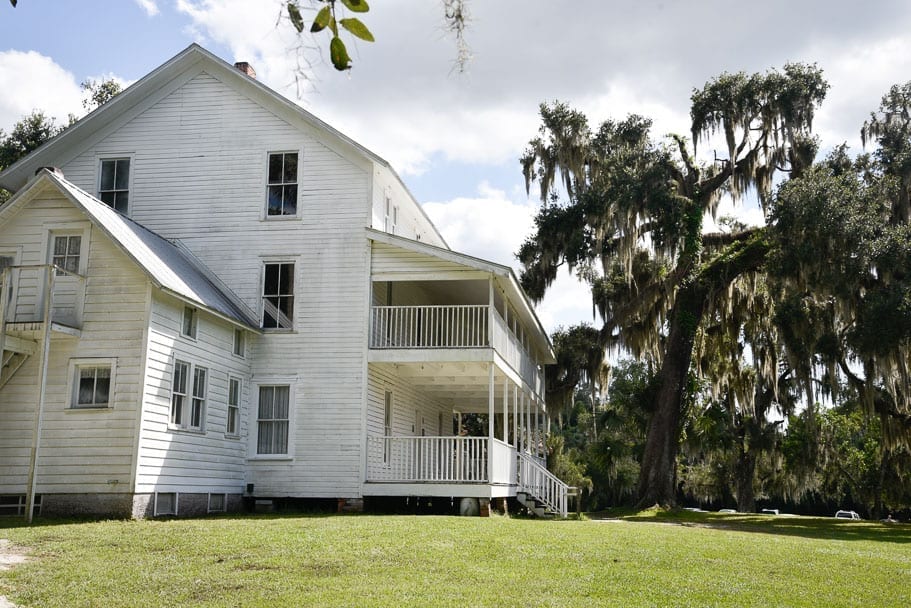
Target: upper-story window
[(278, 295), (67, 250), (190, 320), (281, 187), (391, 216), (114, 185)]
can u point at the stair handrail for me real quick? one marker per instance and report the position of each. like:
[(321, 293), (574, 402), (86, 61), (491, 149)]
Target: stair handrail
[(543, 485)]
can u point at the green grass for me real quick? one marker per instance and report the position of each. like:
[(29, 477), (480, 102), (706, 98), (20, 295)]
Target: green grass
[(364, 560)]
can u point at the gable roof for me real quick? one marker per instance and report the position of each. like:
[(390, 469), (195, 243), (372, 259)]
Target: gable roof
[(170, 267), (72, 139), (504, 275)]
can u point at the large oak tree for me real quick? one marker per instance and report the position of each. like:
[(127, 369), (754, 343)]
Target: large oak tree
[(626, 213)]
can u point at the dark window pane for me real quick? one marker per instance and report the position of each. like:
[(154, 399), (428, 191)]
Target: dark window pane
[(103, 387), (287, 279), (122, 174), (121, 201), (275, 200), (107, 174), (60, 245), (74, 244), (290, 173), (271, 284), (109, 197), (275, 168), (290, 199), (86, 387)]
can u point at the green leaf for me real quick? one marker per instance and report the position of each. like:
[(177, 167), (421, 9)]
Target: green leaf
[(333, 26), (321, 20), (296, 19), (357, 28), (356, 6), (339, 54)]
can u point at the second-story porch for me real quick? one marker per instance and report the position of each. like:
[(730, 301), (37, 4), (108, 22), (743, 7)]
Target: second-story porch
[(450, 334)]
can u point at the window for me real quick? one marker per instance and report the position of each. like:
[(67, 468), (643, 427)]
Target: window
[(92, 385), (217, 503), (188, 327), (395, 218), (272, 420), (165, 503), (198, 402), (386, 214), (7, 262), (179, 392), (387, 415), (114, 185), (239, 342), (231, 425), (282, 185), (278, 295), (188, 410), (66, 253)]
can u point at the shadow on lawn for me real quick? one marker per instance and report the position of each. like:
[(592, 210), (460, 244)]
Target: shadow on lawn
[(808, 527)]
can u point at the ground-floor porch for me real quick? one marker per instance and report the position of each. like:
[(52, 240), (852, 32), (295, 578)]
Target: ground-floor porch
[(494, 447)]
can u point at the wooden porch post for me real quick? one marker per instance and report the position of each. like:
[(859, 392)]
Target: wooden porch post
[(515, 416), (42, 389), (505, 410), (490, 414), (521, 423)]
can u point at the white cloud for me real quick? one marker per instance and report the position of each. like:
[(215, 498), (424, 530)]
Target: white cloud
[(39, 84), (149, 6), (489, 226)]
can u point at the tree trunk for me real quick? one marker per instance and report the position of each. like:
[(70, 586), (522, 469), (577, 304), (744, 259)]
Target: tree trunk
[(746, 473), (658, 472)]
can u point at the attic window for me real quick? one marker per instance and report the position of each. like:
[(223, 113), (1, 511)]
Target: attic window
[(281, 189), (114, 185)]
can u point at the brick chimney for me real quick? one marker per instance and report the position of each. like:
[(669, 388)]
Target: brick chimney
[(246, 68)]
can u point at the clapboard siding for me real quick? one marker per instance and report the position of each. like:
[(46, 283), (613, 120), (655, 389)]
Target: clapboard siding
[(411, 222), (85, 451), (406, 400), (389, 259), (175, 460), (198, 174)]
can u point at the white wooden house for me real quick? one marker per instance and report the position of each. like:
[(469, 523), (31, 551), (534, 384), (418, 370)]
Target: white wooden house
[(217, 296)]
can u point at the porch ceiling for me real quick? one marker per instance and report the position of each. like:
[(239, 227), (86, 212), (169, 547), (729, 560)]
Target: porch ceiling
[(463, 386)]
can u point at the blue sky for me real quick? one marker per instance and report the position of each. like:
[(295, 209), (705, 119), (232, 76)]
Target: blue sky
[(456, 138)]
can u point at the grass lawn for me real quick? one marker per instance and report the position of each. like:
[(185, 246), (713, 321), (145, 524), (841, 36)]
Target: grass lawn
[(644, 559)]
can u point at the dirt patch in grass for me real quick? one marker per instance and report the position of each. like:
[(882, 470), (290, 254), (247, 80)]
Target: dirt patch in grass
[(9, 556)]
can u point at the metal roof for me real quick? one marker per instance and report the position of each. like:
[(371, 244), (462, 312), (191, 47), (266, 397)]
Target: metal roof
[(170, 267)]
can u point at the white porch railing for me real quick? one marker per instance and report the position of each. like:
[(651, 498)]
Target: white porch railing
[(536, 480), (457, 326), (427, 459), (503, 461), (25, 288), (463, 326)]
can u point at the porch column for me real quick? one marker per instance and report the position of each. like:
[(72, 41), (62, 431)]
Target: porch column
[(515, 416), (528, 437), (520, 423), (490, 414), (506, 410)]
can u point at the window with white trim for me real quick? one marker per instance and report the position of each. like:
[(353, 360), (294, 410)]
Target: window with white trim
[(240, 342), (190, 319), (281, 186), (272, 420), (67, 252), (232, 424), (278, 295), (188, 401), (92, 384), (114, 183)]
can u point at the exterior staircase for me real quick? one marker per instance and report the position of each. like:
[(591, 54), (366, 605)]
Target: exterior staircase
[(16, 352), (540, 491)]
